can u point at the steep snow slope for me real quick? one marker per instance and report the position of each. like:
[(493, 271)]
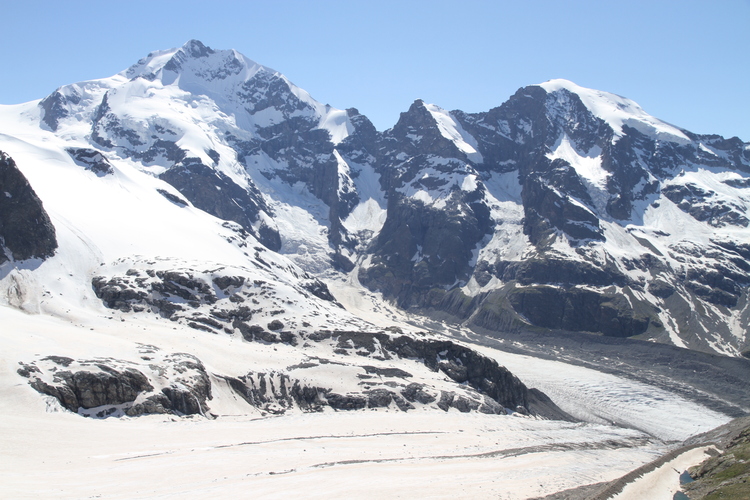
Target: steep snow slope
[(194, 112)]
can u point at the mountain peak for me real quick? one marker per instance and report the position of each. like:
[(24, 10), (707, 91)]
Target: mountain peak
[(617, 111), (195, 48), (195, 61)]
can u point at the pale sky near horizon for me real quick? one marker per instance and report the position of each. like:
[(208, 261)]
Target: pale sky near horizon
[(686, 62)]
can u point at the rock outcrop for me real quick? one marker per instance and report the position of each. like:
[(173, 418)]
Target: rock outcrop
[(26, 231), (106, 387)]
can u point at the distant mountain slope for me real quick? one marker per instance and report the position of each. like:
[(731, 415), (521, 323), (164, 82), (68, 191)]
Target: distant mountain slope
[(564, 209)]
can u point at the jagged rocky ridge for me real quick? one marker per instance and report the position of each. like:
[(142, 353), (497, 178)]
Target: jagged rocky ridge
[(562, 209), (550, 220)]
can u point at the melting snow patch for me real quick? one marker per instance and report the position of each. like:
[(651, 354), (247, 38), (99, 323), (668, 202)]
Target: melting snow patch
[(368, 215), (423, 196)]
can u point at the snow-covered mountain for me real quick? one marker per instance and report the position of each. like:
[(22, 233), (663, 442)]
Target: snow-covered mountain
[(135, 211), (563, 209), (198, 235)]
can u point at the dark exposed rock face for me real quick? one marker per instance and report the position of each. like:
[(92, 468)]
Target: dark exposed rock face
[(427, 250), (117, 293), (480, 383), (86, 390), (278, 392), (218, 195), (578, 309), (464, 365), (307, 154), (172, 197), (421, 248), (701, 204), (212, 300), (92, 160), (104, 387), (415, 392), (54, 107), (496, 387), (26, 231)]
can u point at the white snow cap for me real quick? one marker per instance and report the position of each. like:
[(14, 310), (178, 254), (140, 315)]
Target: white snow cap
[(194, 57), (617, 111), (220, 75)]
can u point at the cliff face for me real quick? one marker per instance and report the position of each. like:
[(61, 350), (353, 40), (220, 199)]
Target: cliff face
[(26, 231)]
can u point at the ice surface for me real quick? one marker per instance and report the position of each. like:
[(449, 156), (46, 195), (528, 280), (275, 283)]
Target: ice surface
[(600, 397), (370, 454)]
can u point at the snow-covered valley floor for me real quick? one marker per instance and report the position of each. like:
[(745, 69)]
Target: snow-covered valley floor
[(363, 455), (47, 452)]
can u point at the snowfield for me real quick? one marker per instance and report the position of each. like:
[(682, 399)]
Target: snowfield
[(48, 451), (372, 455)]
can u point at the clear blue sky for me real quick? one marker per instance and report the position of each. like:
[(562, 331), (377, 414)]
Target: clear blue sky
[(684, 61)]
